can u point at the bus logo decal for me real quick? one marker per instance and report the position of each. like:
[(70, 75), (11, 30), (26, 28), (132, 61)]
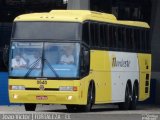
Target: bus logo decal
[(122, 63), (41, 87)]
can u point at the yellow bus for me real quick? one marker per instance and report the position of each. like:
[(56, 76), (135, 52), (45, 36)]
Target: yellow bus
[(78, 58)]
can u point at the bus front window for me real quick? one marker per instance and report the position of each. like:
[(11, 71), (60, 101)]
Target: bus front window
[(26, 59), (61, 60), (50, 60)]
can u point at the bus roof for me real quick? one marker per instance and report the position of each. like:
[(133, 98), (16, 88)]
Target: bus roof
[(78, 16)]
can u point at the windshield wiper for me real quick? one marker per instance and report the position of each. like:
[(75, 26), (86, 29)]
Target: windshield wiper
[(50, 66), (33, 66)]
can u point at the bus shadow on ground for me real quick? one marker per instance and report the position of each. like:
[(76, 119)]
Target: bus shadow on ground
[(93, 110), (98, 109)]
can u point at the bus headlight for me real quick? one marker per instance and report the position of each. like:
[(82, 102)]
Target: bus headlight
[(14, 87), (68, 88)]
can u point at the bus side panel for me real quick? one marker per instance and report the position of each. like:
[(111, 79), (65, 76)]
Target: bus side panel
[(100, 68), (124, 68), (145, 75)]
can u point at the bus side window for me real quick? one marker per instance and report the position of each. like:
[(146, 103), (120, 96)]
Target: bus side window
[(115, 37), (103, 35), (93, 35), (106, 35), (84, 63), (129, 39), (85, 34), (110, 37), (124, 39), (120, 38), (102, 38), (96, 35), (143, 41), (91, 31), (90, 35), (137, 39), (133, 40), (148, 42)]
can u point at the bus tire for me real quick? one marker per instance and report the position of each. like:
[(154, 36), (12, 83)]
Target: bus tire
[(126, 104), (134, 97), (30, 107), (90, 99)]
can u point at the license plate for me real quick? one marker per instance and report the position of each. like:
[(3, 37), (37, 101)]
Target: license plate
[(41, 97)]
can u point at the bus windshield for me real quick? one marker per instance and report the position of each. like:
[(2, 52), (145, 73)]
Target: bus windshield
[(44, 59)]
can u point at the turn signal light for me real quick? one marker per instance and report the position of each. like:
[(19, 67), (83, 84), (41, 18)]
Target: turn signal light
[(10, 87), (75, 88)]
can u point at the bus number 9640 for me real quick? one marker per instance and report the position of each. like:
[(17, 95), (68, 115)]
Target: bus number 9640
[(44, 82)]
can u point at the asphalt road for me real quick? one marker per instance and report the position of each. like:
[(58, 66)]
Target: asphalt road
[(59, 112)]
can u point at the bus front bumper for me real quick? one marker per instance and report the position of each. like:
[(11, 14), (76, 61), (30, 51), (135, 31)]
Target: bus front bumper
[(46, 97)]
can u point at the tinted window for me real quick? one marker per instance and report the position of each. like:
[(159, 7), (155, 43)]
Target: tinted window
[(143, 41), (115, 36), (104, 35), (111, 38), (92, 32), (148, 41), (129, 39), (137, 39), (86, 33), (46, 30), (124, 38), (120, 38), (133, 40), (94, 35)]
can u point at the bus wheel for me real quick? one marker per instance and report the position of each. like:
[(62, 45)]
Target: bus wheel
[(90, 100), (30, 107), (134, 97), (126, 104)]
